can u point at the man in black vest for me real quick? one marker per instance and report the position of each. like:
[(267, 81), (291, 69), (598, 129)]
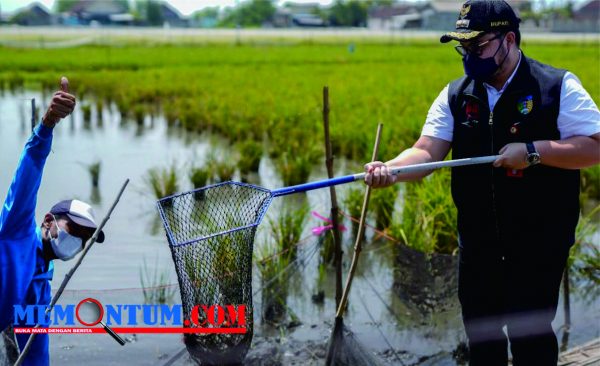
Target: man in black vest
[(517, 218)]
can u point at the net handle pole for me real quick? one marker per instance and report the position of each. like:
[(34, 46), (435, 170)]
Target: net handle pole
[(359, 235), (68, 276), (400, 170)]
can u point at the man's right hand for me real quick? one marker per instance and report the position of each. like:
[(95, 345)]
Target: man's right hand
[(62, 105), (378, 175)]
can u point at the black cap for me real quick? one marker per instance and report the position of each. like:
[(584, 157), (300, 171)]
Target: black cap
[(478, 17), (80, 213)]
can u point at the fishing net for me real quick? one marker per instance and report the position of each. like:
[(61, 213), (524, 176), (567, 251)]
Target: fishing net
[(345, 350), (211, 232)]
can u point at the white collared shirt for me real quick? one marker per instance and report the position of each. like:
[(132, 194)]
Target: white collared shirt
[(578, 114)]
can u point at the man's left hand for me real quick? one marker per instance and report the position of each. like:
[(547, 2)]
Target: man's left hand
[(513, 156)]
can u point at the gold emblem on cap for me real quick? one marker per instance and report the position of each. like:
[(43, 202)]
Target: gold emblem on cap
[(463, 36), (465, 10)]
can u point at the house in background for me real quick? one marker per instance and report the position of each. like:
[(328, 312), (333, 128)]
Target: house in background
[(440, 15), (104, 12), (299, 15), (586, 19), (171, 16), (589, 16), (397, 16), (34, 14)]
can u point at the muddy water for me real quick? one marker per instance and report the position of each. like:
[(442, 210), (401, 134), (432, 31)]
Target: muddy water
[(402, 307)]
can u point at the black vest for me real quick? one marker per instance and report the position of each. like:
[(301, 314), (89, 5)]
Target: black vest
[(539, 204)]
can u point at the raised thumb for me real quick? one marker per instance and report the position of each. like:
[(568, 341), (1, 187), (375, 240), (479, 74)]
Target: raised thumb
[(64, 84)]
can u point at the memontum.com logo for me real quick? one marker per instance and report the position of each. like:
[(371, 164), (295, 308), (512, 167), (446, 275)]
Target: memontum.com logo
[(91, 316)]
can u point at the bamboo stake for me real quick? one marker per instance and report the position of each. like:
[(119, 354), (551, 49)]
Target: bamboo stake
[(361, 230), (334, 213)]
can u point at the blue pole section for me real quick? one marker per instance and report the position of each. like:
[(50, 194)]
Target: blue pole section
[(314, 185)]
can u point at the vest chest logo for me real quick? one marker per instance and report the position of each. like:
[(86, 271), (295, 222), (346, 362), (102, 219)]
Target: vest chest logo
[(472, 112), (525, 104), (514, 129)]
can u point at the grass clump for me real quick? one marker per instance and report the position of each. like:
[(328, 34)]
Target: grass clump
[(155, 285), (429, 215), (250, 154), (163, 182)]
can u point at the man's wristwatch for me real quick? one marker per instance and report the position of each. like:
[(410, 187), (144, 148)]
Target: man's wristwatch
[(533, 157)]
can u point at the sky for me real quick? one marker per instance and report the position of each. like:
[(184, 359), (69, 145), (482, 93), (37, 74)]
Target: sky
[(187, 7)]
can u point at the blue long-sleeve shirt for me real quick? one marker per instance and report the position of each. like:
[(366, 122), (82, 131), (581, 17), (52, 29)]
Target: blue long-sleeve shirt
[(24, 273)]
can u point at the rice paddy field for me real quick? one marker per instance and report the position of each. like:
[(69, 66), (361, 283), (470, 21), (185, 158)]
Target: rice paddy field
[(178, 111), (261, 87)]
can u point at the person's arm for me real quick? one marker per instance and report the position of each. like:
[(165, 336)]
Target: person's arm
[(433, 145), (579, 126), (19, 207), (18, 211)]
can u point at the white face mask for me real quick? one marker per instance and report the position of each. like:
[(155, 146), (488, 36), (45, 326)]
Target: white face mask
[(65, 246)]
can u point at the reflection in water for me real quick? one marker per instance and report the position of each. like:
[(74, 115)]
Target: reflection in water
[(427, 283), (95, 196)]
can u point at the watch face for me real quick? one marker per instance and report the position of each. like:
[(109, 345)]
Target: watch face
[(533, 158)]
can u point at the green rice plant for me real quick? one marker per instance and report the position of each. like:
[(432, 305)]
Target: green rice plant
[(584, 259), (139, 113), (590, 183), (382, 204), (286, 229), (353, 201), (163, 182), (202, 90), (250, 154), (193, 270), (199, 177), (155, 285), (222, 166), (429, 215), (327, 247), (86, 109), (319, 296), (295, 168), (99, 110), (272, 265), (94, 170)]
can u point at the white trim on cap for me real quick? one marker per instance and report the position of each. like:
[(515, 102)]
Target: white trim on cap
[(82, 209)]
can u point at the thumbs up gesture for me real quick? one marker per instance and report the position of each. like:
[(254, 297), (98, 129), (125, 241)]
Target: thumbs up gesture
[(61, 105)]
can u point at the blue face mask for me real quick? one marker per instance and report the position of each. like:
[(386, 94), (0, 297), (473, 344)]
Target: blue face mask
[(482, 69), (65, 245)]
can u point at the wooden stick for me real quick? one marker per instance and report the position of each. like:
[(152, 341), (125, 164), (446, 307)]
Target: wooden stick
[(334, 213), (361, 230)]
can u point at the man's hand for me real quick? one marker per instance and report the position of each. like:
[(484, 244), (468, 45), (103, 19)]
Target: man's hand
[(513, 156), (62, 105), (378, 175)]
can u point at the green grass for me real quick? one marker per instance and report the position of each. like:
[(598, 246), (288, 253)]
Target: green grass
[(163, 182), (382, 204), (429, 216), (155, 285), (250, 154), (199, 177), (241, 92)]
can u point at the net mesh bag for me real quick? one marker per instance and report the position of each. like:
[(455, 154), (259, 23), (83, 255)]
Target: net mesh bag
[(211, 234)]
